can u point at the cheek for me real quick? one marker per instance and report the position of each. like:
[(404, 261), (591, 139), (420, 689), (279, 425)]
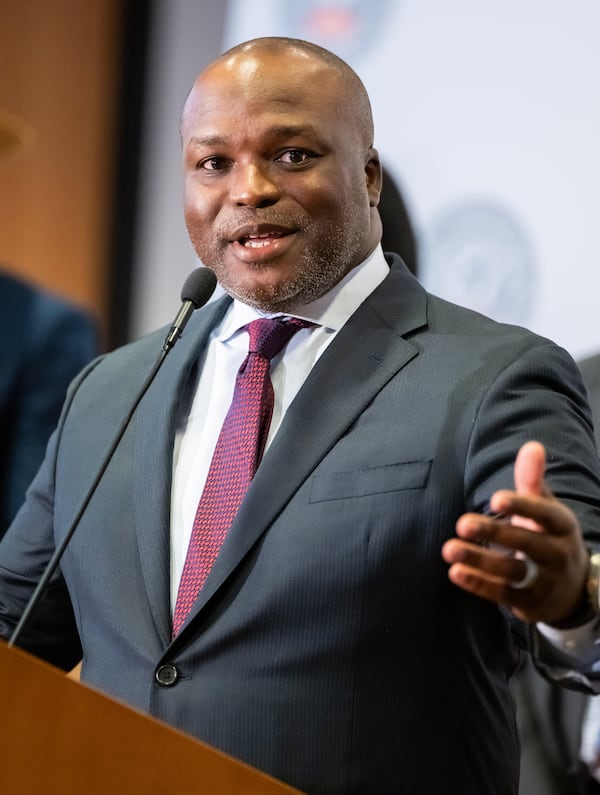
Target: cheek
[(194, 205), (199, 201), (325, 197), (199, 216)]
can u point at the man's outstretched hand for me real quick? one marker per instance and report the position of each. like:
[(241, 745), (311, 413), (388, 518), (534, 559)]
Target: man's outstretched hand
[(529, 554)]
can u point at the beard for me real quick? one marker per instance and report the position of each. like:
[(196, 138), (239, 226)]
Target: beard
[(316, 275), (328, 257)]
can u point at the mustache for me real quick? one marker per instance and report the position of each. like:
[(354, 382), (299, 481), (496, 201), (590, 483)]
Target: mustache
[(227, 227)]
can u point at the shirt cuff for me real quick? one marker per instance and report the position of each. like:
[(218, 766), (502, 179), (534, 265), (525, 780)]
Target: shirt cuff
[(574, 641)]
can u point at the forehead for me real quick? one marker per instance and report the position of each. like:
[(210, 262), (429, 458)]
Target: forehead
[(285, 88)]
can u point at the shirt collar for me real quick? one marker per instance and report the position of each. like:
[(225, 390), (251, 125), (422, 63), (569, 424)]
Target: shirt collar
[(331, 310)]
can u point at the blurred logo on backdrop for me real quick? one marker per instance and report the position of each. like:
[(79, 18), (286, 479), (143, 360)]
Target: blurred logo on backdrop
[(348, 28), (477, 254)]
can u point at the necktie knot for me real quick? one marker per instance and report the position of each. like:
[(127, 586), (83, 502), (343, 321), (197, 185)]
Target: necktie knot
[(269, 335)]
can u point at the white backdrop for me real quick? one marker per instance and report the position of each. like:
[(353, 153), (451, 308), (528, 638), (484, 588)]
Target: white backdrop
[(487, 114)]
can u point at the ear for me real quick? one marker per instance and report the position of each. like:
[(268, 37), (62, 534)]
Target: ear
[(374, 177)]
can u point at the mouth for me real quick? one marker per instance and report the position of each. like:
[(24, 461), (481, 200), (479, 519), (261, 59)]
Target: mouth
[(259, 237), (259, 241)]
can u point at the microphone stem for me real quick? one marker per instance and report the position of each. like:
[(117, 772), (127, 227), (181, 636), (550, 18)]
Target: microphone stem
[(180, 322)]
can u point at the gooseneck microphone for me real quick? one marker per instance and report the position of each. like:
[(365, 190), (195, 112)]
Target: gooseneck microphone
[(196, 291)]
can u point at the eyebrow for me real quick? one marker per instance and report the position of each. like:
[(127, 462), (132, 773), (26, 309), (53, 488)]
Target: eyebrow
[(213, 140), (277, 131)]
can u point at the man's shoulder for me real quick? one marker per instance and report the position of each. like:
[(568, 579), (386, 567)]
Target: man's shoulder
[(444, 315)]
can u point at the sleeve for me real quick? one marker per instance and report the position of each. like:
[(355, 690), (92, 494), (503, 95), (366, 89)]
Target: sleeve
[(25, 551), (541, 396)]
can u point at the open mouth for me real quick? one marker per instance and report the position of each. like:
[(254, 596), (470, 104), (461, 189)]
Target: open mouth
[(261, 240)]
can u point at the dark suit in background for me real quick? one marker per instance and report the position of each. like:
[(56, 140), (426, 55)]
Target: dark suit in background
[(45, 342), (590, 370)]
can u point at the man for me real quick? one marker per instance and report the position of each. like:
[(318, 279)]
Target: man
[(330, 644)]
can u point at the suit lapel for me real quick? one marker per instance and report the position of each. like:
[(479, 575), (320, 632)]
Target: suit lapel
[(366, 353), (155, 427)]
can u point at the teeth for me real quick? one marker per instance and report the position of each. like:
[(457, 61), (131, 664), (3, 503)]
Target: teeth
[(261, 240), (256, 243)]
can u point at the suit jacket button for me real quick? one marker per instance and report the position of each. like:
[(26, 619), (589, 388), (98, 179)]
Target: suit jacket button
[(166, 675)]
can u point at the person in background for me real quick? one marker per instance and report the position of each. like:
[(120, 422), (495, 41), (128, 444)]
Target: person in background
[(398, 234), (590, 370), (45, 342), (586, 713), (338, 595)]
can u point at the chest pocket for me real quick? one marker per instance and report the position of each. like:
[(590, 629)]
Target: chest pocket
[(370, 480)]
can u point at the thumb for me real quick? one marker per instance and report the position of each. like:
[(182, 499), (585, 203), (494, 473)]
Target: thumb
[(530, 466)]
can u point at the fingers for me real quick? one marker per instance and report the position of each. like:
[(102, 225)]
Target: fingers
[(539, 574), (532, 513), (498, 577), (511, 529), (532, 572), (495, 566)]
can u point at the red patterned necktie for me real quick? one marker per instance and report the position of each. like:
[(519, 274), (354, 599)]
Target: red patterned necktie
[(236, 457)]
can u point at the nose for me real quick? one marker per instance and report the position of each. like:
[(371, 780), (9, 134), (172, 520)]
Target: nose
[(252, 186)]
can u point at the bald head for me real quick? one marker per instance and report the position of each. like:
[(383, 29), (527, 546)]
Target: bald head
[(301, 57)]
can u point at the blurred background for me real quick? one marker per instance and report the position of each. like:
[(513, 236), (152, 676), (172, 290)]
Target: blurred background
[(487, 118)]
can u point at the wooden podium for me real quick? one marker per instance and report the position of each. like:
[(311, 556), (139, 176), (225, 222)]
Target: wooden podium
[(58, 737)]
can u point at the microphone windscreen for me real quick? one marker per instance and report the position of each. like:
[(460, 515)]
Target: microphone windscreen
[(199, 286)]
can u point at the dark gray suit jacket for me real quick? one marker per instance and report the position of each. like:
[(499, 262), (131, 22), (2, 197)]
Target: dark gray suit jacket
[(328, 646)]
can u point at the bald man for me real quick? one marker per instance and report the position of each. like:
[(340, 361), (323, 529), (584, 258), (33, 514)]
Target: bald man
[(355, 631)]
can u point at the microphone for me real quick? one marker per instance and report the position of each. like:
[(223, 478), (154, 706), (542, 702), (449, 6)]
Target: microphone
[(196, 291)]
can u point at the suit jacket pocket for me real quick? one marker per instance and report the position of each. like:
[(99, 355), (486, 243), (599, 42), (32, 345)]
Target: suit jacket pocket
[(370, 480)]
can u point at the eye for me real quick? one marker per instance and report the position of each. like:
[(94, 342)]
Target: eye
[(212, 164), (295, 157)]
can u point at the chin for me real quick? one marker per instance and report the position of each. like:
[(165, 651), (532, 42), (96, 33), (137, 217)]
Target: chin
[(278, 297)]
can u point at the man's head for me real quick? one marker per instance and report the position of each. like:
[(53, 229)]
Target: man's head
[(281, 181)]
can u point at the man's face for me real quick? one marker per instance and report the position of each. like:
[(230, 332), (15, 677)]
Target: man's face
[(279, 186)]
